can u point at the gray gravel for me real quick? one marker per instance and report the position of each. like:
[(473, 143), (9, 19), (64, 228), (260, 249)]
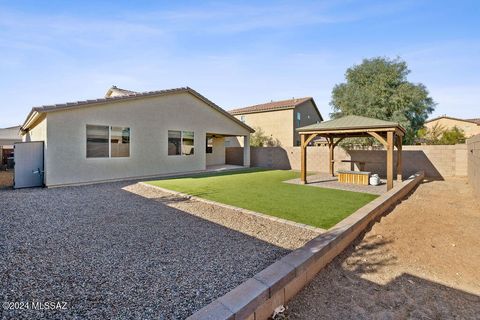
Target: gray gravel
[(110, 253)]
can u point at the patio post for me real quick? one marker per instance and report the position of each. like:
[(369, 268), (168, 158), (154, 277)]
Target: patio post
[(303, 156), (390, 143), (399, 159), (246, 151)]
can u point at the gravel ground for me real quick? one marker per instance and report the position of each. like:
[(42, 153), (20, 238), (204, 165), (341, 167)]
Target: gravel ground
[(112, 254), (420, 262)]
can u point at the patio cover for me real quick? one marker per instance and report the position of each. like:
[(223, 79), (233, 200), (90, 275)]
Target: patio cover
[(389, 134)]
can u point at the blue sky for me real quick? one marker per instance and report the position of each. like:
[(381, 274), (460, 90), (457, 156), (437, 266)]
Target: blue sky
[(235, 53)]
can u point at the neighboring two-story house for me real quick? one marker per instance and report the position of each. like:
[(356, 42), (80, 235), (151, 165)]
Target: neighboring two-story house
[(470, 127), (279, 119)]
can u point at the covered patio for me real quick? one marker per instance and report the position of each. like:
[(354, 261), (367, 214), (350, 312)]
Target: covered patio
[(389, 134)]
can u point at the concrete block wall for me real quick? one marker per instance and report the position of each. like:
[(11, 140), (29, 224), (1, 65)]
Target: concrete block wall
[(473, 151), (436, 161)]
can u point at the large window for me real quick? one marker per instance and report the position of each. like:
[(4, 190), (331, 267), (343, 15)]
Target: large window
[(298, 119), (180, 142), (107, 142)]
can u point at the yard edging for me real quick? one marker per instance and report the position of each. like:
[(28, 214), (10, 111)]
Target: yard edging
[(257, 297), (245, 211)]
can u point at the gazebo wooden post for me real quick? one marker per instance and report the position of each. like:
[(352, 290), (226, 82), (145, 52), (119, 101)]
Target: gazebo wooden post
[(390, 144), (399, 158), (303, 155), (331, 147)]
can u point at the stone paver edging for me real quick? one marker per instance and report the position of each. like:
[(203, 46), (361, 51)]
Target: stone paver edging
[(245, 211), (257, 298)]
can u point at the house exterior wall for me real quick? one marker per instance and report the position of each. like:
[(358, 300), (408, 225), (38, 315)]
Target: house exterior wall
[(308, 116), (278, 124), (469, 128), (4, 142), (149, 120), (38, 132), (218, 153)]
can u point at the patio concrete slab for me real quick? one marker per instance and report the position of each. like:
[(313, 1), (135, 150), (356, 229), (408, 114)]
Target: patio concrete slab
[(324, 180)]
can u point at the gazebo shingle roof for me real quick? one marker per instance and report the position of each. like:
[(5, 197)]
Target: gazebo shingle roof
[(351, 122)]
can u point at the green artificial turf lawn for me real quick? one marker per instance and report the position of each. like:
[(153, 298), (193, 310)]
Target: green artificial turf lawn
[(263, 191)]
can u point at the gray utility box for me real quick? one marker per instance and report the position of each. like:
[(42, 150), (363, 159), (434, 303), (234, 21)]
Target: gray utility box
[(29, 164)]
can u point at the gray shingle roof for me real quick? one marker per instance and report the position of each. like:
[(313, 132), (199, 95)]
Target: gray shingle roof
[(133, 96), (351, 122)]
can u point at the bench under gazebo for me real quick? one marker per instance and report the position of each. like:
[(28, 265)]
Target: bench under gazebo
[(389, 134)]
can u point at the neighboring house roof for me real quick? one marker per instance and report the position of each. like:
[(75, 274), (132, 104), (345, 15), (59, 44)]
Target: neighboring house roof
[(10, 133), (476, 120), (114, 91), (275, 106), (351, 122), (132, 96)]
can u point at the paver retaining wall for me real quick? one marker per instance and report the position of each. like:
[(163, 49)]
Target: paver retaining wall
[(473, 150), (257, 298), (436, 161)]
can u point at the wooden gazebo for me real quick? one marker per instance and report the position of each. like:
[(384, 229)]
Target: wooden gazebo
[(389, 134)]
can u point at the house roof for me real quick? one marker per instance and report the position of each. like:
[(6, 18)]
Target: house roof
[(10, 133), (475, 120), (351, 122), (126, 97), (275, 106)]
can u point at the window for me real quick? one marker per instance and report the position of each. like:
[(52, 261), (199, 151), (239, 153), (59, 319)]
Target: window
[(298, 119), (180, 142), (174, 142), (98, 145), (242, 118), (209, 144), (97, 141), (120, 142), (187, 143)]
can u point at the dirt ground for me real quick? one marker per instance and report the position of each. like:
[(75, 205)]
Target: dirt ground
[(421, 261), (6, 179)]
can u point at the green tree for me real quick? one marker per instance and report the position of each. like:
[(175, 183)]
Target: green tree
[(438, 134), (378, 88), (260, 139), (453, 136)]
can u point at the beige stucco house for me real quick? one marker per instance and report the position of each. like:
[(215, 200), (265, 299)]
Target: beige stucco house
[(8, 136), (279, 119), (470, 127), (128, 134)]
